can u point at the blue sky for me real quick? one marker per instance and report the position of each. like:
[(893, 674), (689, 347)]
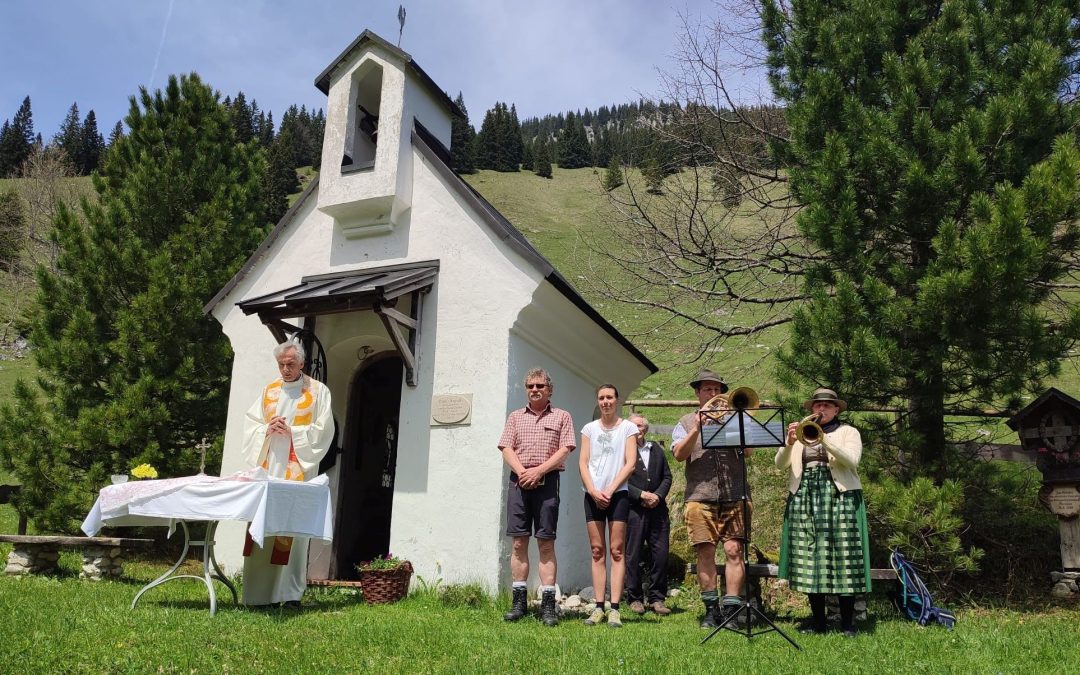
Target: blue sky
[(544, 56)]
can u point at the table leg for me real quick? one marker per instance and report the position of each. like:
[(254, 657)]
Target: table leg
[(208, 559), (208, 555)]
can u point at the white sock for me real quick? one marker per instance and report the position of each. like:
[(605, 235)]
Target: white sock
[(520, 584)]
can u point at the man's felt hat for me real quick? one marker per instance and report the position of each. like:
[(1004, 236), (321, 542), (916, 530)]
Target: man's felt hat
[(826, 395), (706, 375)]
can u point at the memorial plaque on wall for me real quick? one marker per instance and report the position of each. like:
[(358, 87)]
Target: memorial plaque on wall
[(1062, 500), (451, 409)]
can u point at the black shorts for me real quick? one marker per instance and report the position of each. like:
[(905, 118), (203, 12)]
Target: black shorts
[(618, 509), (533, 512)]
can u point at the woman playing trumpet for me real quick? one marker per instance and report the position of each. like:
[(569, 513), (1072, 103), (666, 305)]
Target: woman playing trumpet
[(824, 547)]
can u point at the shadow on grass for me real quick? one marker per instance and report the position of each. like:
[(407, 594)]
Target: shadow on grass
[(226, 605)]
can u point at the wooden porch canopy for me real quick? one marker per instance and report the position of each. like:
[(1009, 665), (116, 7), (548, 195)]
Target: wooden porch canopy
[(376, 289)]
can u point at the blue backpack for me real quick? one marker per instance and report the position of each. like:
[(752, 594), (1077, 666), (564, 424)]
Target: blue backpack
[(914, 601)]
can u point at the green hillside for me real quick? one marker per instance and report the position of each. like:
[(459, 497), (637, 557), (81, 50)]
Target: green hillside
[(559, 216), (18, 287)]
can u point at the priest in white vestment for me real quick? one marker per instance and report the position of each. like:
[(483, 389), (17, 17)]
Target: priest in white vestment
[(287, 432)]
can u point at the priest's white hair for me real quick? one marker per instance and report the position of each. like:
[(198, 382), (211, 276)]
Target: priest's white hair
[(290, 344)]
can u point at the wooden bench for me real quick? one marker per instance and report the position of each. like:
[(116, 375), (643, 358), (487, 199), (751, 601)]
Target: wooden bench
[(769, 570), (103, 557)]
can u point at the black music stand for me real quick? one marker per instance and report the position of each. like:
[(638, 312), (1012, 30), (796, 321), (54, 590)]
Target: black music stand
[(735, 431)]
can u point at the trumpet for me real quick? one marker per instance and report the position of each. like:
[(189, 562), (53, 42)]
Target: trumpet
[(809, 432)]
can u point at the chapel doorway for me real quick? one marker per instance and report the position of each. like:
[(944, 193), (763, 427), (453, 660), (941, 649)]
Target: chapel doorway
[(368, 465)]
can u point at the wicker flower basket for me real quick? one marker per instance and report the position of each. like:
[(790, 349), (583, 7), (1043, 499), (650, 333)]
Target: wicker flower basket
[(383, 586)]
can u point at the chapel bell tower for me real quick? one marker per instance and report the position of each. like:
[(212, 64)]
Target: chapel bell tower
[(375, 93)]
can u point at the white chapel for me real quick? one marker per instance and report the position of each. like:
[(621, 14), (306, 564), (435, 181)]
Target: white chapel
[(422, 309)]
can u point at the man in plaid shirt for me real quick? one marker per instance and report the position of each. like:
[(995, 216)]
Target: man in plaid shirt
[(534, 444)]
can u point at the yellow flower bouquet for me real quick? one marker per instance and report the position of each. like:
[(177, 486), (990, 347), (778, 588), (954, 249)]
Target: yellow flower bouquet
[(144, 471)]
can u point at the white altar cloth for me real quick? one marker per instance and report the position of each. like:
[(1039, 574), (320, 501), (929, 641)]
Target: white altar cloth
[(272, 506)]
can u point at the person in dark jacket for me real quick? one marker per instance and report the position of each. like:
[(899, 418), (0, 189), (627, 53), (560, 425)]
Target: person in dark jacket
[(648, 524)]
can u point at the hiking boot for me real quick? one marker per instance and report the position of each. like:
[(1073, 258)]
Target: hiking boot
[(596, 617), (710, 619), (851, 632), (740, 615), (548, 613), (519, 606), (637, 607), (613, 619), (659, 608), (812, 627)]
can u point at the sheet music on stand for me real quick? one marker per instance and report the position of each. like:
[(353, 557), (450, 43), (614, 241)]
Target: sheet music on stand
[(741, 429)]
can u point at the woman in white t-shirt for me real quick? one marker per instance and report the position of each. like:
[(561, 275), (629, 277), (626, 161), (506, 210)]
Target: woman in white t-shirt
[(607, 458)]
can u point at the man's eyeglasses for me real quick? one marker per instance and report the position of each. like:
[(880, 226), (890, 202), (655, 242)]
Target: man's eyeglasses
[(535, 386)]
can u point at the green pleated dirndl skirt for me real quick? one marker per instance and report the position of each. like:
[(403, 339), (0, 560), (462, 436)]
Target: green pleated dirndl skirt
[(824, 546)]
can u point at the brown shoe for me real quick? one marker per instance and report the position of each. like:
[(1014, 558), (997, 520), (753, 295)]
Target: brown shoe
[(660, 608), (637, 607)]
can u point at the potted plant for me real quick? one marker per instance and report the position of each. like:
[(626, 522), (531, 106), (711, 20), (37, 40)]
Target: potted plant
[(385, 579)]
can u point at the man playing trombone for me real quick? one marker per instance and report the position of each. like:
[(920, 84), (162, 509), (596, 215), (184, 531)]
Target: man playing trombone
[(714, 510)]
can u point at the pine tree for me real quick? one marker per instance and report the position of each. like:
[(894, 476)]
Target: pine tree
[(91, 145), (5, 149), (486, 142), (613, 175), (318, 131), (653, 175), (528, 156), (573, 145), (69, 138), (514, 144), (266, 130), (116, 134), (603, 148), (303, 141), (305, 133), (17, 140), (22, 126), (462, 140), (542, 159), (934, 149), (242, 121), (495, 145), (132, 371), (280, 180)]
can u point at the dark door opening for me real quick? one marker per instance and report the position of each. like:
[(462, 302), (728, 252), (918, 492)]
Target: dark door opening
[(367, 467)]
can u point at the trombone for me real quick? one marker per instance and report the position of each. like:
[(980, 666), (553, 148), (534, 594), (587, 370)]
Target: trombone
[(809, 432)]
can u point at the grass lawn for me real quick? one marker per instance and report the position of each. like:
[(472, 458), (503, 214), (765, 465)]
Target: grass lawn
[(14, 369), (63, 624)]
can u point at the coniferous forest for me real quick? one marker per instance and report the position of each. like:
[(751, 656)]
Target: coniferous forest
[(631, 134)]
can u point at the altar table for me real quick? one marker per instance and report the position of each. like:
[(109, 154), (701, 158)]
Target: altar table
[(273, 507)]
